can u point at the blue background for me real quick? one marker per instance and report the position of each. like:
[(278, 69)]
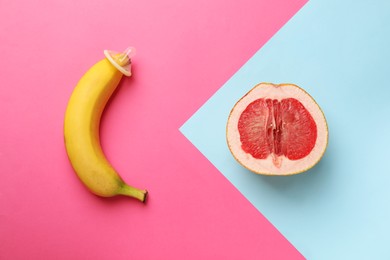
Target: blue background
[(338, 51)]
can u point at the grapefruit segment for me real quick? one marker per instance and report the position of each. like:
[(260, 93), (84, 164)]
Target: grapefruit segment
[(253, 129), (299, 129), (277, 129)]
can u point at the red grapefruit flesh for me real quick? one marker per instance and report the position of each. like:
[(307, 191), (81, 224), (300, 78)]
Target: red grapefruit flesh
[(277, 130)]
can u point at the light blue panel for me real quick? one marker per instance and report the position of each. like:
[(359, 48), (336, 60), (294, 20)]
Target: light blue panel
[(339, 51)]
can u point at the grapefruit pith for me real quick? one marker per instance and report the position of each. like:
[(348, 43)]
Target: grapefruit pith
[(277, 130)]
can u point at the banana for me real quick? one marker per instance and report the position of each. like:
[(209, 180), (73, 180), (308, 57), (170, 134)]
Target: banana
[(82, 122)]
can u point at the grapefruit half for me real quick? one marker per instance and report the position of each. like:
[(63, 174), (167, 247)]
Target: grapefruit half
[(277, 130)]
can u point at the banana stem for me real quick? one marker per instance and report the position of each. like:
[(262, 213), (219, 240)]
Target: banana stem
[(130, 191)]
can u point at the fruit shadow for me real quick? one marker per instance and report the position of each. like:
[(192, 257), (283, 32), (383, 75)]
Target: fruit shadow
[(314, 181)]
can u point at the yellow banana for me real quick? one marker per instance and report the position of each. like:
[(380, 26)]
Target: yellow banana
[(81, 126)]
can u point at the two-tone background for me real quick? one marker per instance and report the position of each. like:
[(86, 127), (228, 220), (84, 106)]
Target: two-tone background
[(164, 129)]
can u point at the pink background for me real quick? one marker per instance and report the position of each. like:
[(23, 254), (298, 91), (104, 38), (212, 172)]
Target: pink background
[(185, 52)]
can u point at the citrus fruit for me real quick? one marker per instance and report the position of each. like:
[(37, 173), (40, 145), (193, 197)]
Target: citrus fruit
[(277, 130)]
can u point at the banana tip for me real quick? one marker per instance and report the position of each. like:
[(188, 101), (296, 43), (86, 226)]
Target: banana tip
[(145, 196)]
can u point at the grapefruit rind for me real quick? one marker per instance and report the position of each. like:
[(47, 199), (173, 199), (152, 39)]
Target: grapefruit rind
[(265, 167)]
